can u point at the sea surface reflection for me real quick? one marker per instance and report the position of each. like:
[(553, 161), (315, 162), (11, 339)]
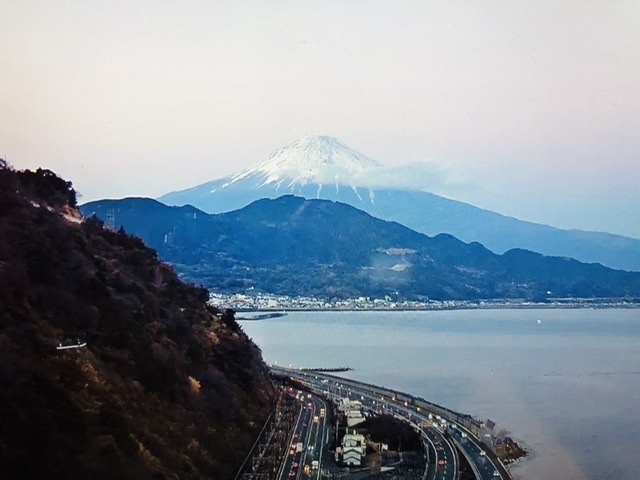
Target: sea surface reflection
[(564, 383)]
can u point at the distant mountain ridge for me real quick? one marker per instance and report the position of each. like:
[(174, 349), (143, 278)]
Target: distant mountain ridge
[(295, 246), (322, 167)]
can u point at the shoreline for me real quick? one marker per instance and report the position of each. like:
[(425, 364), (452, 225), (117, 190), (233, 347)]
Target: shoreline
[(284, 311)]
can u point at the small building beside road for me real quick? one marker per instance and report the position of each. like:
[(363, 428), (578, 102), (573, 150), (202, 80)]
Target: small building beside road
[(353, 449)]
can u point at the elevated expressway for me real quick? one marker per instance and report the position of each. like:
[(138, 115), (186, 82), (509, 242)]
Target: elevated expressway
[(444, 432)]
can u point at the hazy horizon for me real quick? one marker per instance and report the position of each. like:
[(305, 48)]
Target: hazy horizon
[(529, 110)]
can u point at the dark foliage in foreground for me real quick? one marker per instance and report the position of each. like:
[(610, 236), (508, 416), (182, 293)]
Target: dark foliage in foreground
[(167, 387)]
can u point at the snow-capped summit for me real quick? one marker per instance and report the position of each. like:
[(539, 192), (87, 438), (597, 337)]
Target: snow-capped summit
[(312, 167), (311, 159)]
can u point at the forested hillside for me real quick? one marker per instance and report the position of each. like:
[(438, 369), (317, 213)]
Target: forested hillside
[(165, 387), (293, 246)]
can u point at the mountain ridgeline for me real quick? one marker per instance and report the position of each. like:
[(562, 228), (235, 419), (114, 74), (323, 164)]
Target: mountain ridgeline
[(111, 366), (294, 246), (322, 167)]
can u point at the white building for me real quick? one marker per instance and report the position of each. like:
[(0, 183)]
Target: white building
[(353, 411), (353, 449)]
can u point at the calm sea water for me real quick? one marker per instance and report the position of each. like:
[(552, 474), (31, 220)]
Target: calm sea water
[(567, 388)]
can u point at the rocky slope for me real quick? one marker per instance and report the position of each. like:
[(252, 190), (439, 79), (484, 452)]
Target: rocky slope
[(166, 386)]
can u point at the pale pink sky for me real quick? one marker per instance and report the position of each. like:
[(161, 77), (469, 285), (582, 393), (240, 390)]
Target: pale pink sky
[(531, 109)]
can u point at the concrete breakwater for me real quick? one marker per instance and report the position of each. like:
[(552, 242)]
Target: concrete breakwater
[(326, 369), (263, 316)]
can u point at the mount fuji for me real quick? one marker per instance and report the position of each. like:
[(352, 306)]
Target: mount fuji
[(321, 167), (311, 160)]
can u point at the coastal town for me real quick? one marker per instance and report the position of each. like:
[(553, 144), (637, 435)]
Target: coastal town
[(271, 302)]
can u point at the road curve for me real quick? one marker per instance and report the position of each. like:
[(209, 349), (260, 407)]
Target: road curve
[(442, 429)]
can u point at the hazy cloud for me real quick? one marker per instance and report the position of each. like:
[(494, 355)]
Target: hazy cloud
[(431, 177)]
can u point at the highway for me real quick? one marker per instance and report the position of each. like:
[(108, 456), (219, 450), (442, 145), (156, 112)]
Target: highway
[(485, 465), (307, 441), (444, 431)]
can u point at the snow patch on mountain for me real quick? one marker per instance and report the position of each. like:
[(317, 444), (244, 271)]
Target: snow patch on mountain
[(311, 159)]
